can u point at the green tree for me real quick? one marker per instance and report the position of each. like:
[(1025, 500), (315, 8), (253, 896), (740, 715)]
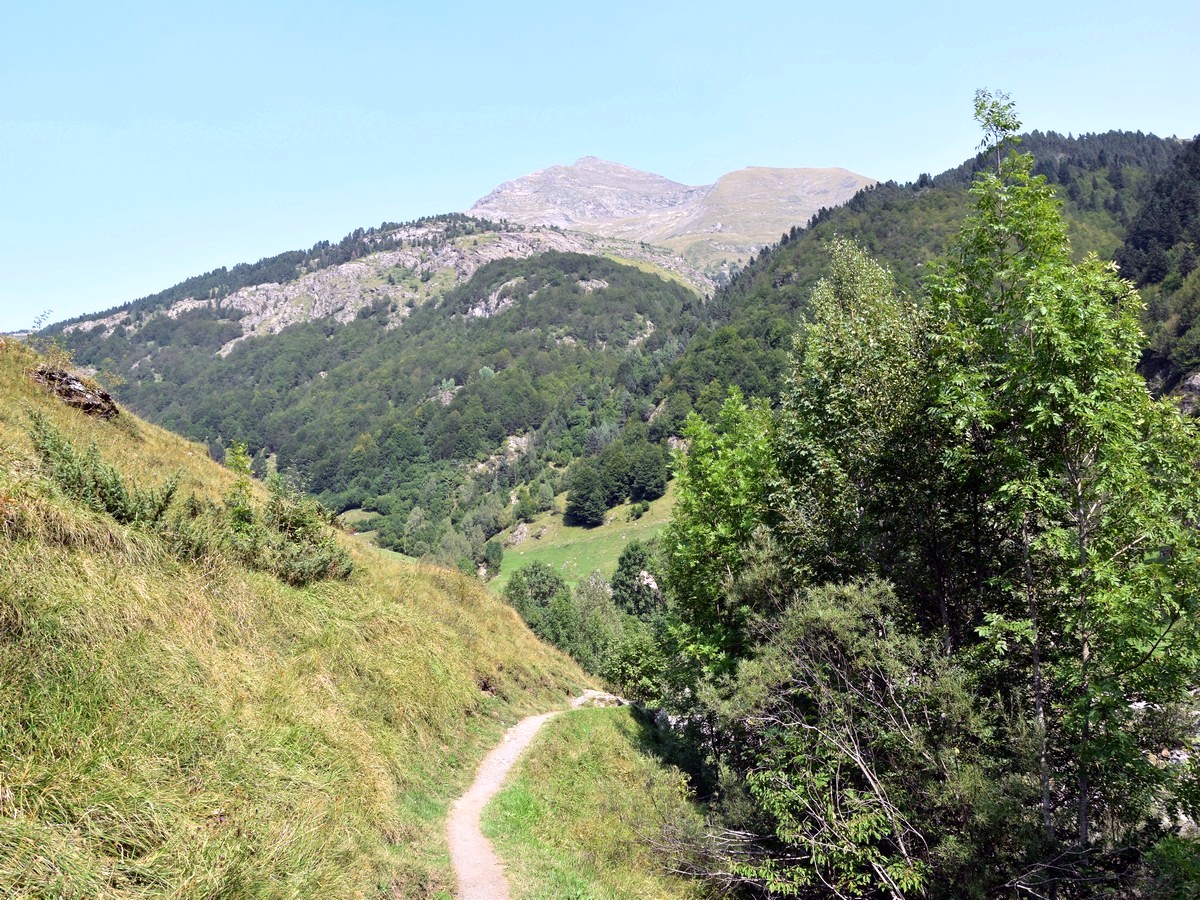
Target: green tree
[(493, 556), (721, 496), (527, 506), (849, 431), (634, 585), (615, 473), (533, 590), (600, 623), (237, 502), (647, 472), (588, 495), (848, 723), (1092, 499)]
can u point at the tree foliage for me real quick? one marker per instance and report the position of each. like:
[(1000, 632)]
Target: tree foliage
[(634, 585), (847, 417), (1091, 496), (721, 492), (588, 495), (585, 622), (855, 734), (957, 620)]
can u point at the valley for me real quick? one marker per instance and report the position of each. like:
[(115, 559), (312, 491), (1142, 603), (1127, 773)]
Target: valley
[(875, 496)]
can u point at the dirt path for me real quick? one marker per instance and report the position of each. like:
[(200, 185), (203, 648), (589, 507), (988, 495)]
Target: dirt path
[(480, 875)]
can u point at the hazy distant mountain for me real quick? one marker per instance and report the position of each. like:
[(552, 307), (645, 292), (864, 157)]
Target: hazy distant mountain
[(709, 224)]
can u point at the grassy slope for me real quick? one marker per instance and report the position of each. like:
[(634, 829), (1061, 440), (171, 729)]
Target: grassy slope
[(653, 269), (199, 730), (571, 821), (574, 552)]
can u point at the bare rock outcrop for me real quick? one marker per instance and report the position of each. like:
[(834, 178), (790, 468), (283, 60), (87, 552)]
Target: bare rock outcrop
[(428, 262), (83, 394)]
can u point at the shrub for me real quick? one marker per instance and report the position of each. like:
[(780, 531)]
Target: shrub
[(289, 538), (91, 481)]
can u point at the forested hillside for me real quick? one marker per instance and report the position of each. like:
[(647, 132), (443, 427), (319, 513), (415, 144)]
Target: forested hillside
[(927, 620), (499, 383), (285, 267), (1160, 254), (1102, 181)]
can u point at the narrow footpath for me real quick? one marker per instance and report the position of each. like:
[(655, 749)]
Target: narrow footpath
[(480, 874)]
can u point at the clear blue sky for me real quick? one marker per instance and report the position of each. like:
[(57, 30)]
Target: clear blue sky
[(141, 143)]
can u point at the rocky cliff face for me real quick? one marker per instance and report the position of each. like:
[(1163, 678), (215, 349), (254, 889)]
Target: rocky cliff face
[(425, 266), (710, 225)]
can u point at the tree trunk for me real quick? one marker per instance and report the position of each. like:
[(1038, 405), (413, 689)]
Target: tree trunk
[(1039, 689), (1085, 653)]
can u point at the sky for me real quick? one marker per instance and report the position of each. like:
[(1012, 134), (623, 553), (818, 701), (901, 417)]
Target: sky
[(142, 143)]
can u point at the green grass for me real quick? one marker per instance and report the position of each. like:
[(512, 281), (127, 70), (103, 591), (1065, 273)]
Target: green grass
[(575, 552), (575, 816), (369, 539), (198, 729), (356, 518), (653, 269)]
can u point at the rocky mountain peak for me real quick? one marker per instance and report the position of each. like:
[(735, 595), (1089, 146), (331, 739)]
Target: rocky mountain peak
[(592, 191), (711, 225)]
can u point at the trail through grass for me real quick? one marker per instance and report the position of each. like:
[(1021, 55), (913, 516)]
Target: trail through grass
[(574, 818), (194, 728)]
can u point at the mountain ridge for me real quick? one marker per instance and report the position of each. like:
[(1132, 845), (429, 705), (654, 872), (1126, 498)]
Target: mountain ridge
[(712, 226), (416, 262)]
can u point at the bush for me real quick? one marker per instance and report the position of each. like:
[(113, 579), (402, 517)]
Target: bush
[(290, 538), (585, 623), (532, 589), (91, 481), (493, 556)]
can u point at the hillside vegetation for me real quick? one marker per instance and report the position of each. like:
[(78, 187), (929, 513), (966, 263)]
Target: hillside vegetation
[(496, 383), (930, 619), (175, 723), (576, 551), (1160, 255)]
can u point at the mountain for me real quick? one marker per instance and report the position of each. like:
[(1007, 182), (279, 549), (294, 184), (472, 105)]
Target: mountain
[(590, 192), (712, 226)]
